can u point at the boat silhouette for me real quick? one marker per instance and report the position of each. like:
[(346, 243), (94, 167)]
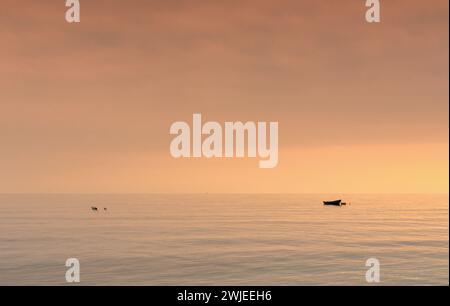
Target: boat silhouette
[(333, 203)]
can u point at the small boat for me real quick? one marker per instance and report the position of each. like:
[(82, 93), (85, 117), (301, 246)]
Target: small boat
[(333, 203), (93, 208)]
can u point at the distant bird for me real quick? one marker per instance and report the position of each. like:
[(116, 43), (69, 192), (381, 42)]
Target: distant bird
[(105, 209), (93, 208)]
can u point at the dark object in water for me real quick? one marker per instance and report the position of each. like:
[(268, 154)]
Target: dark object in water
[(105, 209), (94, 208), (333, 203)]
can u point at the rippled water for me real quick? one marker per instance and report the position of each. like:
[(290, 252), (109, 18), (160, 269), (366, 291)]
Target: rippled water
[(223, 239)]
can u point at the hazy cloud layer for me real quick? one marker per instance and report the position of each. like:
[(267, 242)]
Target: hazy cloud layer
[(114, 83)]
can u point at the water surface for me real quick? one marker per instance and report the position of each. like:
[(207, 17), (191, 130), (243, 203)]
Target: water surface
[(223, 239)]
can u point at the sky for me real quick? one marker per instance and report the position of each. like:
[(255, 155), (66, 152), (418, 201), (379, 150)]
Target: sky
[(362, 108)]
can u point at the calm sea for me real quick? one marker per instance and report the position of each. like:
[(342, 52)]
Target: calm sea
[(224, 239)]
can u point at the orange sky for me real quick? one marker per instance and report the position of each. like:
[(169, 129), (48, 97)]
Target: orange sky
[(87, 107)]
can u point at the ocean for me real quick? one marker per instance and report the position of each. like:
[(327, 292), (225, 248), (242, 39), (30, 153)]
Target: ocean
[(224, 239)]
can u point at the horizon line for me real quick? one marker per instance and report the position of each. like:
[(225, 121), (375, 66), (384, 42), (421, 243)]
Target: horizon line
[(223, 193)]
